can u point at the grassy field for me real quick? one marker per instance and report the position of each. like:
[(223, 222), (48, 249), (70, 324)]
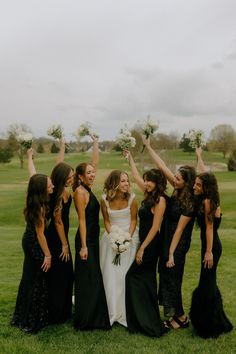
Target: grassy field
[(63, 339)]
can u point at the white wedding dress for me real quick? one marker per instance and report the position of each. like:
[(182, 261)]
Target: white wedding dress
[(114, 275)]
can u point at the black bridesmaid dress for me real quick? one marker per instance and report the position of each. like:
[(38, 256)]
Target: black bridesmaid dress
[(31, 310), (61, 274), (170, 285), (142, 311), (91, 310), (207, 314)]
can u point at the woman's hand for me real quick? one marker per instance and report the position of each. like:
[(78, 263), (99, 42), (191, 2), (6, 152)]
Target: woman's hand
[(83, 253), (146, 141), (170, 263), (30, 153), (46, 263), (198, 151), (139, 255), (65, 253), (208, 260)]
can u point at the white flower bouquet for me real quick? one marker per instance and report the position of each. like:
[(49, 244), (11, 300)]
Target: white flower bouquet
[(55, 131), (196, 138), (85, 130), (125, 140), (25, 139), (148, 128), (120, 241)]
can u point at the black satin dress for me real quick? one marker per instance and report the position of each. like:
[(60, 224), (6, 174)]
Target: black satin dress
[(61, 274), (31, 310), (207, 314), (91, 310), (170, 286), (142, 311)]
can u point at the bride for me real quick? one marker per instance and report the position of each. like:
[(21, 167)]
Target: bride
[(119, 207)]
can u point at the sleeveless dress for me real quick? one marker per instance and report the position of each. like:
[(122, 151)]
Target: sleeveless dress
[(91, 310), (61, 275), (170, 285), (207, 314), (31, 310), (114, 275), (142, 311)]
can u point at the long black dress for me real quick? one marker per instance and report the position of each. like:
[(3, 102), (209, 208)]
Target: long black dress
[(91, 310), (170, 293), (142, 311), (61, 274), (31, 310), (207, 313)]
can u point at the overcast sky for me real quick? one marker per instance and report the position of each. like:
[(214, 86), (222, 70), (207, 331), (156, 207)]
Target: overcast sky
[(110, 62)]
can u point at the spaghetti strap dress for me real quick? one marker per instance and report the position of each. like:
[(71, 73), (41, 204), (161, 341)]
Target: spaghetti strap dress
[(91, 310)]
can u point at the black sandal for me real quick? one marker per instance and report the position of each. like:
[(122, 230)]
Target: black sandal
[(182, 324)]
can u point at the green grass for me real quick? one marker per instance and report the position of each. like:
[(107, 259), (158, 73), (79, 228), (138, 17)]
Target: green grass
[(63, 339)]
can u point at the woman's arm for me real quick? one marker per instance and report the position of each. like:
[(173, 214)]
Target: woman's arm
[(65, 253), (31, 167), (80, 204), (138, 179), (43, 244), (105, 215), (133, 216), (208, 257), (95, 155), (61, 153), (158, 161), (200, 164), (156, 225), (183, 221)]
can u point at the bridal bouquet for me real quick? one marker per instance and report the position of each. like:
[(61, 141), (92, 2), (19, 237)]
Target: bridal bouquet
[(125, 140), (85, 130), (25, 139), (55, 131), (148, 128), (120, 241), (196, 138)]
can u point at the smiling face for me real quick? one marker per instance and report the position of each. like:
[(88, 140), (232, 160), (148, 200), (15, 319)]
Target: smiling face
[(89, 176), (124, 183), (198, 190), (149, 185), (178, 181)]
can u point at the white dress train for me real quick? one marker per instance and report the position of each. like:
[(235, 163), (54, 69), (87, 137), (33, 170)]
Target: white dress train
[(114, 275)]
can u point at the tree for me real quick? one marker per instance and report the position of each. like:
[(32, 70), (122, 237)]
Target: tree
[(54, 148), (232, 161), (184, 144), (5, 155), (222, 139), (40, 148), (13, 132)]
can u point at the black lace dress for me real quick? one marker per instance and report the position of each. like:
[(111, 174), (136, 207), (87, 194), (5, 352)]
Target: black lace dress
[(31, 310), (61, 274), (91, 310), (142, 311), (170, 293), (207, 313)]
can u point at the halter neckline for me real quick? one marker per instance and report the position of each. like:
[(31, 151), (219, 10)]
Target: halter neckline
[(85, 187)]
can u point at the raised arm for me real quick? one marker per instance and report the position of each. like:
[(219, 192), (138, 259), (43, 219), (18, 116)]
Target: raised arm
[(95, 155), (61, 153), (31, 167), (158, 161), (200, 164), (135, 173)]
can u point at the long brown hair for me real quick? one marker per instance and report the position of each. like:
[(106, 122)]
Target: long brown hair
[(185, 195), (211, 192), (112, 183), (157, 176), (37, 199), (59, 176)]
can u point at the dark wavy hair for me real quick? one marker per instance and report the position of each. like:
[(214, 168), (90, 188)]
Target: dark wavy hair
[(59, 176), (185, 195), (112, 183), (210, 191), (37, 199), (157, 176)]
